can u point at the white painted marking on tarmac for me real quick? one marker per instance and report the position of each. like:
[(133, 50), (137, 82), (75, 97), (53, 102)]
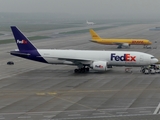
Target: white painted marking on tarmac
[(24, 117), (36, 114), (136, 108), (121, 112), (74, 115), (113, 116), (14, 74), (49, 116), (157, 109), (99, 113), (51, 112), (144, 111), (44, 112)]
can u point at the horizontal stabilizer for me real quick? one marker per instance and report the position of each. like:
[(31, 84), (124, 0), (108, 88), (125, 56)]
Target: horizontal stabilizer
[(19, 53)]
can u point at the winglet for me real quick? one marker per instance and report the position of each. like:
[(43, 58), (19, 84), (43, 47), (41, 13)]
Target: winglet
[(23, 43), (94, 35)]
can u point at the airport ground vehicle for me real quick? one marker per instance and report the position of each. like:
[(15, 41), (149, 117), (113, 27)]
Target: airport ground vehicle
[(151, 69), (10, 63)]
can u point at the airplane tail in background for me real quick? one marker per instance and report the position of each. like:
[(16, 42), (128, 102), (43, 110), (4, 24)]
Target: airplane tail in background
[(23, 42), (94, 35)]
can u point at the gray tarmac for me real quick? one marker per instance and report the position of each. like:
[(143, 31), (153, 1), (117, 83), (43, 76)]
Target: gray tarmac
[(36, 91)]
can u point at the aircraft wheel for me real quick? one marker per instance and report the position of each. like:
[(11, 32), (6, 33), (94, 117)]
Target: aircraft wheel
[(76, 70), (82, 70), (87, 69), (119, 47), (143, 70)]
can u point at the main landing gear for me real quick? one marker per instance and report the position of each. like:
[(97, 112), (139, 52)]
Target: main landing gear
[(119, 47), (82, 70)]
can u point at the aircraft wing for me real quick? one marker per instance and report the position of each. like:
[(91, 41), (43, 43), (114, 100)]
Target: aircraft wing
[(76, 61), (116, 43)]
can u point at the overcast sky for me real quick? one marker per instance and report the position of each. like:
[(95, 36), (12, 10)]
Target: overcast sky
[(107, 8)]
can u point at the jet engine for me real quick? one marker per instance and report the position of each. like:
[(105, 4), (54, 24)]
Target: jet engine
[(125, 44), (100, 65)]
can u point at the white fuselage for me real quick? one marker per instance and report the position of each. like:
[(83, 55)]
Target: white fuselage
[(114, 58)]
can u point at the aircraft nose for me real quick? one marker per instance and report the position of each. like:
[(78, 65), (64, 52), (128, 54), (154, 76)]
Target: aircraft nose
[(157, 60), (153, 61)]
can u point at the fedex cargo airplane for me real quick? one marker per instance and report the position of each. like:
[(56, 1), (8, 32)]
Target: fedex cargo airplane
[(120, 42), (83, 59)]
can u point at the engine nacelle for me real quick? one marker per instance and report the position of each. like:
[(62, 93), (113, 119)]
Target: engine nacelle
[(100, 65), (125, 44)]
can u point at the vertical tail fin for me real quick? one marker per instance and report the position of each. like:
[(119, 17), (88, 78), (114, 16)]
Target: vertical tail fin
[(23, 42), (94, 35)]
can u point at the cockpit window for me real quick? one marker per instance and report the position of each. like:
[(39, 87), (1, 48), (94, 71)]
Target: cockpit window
[(152, 57)]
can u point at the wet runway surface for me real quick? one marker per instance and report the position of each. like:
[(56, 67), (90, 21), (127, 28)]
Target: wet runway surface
[(37, 91)]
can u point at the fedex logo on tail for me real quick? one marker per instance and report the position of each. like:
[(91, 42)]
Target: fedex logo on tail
[(125, 57), (22, 42)]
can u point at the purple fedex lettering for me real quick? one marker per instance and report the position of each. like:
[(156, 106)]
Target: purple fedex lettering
[(125, 57)]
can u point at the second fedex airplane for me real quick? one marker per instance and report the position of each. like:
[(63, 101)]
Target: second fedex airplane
[(83, 59), (120, 42)]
